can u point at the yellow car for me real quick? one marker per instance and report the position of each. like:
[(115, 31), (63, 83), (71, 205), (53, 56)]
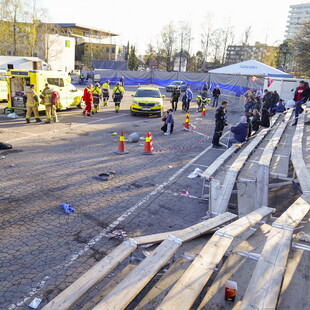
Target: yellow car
[(147, 100)]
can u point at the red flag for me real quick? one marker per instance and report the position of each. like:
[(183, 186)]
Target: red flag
[(269, 82), (254, 78)]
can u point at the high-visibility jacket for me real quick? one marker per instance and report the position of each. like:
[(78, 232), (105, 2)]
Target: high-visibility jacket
[(88, 95), (32, 97), (105, 86), (118, 89), (47, 96), (96, 92)]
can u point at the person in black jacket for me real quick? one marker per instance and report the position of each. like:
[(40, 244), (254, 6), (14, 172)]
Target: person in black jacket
[(175, 97), (273, 101), (220, 123), (265, 121), (301, 96), (216, 95), (240, 131), (267, 99)]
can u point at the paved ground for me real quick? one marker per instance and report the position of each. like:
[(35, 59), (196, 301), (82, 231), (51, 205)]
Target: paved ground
[(42, 250)]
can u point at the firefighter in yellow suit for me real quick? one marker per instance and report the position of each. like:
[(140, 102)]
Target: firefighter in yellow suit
[(118, 92), (50, 109), (96, 98), (105, 88), (32, 104)]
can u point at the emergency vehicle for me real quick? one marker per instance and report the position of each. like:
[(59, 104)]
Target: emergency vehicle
[(3, 86), (19, 80)]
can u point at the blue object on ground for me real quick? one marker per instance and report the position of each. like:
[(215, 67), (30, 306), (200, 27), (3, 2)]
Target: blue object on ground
[(67, 208)]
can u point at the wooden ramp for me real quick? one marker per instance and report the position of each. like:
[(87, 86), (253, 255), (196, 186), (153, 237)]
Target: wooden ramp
[(186, 290)]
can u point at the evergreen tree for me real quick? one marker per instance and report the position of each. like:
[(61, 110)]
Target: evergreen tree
[(132, 59)]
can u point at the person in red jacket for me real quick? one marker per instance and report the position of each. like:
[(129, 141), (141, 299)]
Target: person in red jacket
[(88, 99)]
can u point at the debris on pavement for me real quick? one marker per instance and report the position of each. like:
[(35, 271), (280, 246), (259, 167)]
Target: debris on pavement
[(184, 193), (67, 208), (2, 157), (196, 173), (118, 233), (105, 176), (134, 137), (114, 133), (12, 165), (5, 146), (12, 115), (35, 303), (170, 167)]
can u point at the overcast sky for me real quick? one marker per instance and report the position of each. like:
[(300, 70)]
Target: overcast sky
[(141, 21)]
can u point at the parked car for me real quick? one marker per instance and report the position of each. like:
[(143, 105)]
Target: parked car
[(147, 100), (182, 85)]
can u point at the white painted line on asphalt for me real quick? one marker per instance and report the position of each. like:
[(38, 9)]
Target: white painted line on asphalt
[(104, 233), (71, 126)]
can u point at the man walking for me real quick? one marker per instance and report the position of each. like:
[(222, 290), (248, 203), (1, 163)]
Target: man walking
[(118, 92), (32, 104), (189, 97), (216, 95), (301, 96), (175, 97), (96, 91), (220, 123), (88, 99), (105, 88)]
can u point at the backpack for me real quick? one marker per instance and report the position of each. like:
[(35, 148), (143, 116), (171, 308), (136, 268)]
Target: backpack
[(55, 97)]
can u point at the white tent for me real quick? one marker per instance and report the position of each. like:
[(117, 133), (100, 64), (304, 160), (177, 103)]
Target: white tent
[(251, 67)]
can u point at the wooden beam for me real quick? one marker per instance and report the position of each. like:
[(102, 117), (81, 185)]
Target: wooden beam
[(265, 284), (190, 232), (90, 278), (186, 290), (246, 192), (300, 167), (121, 296), (264, 163)]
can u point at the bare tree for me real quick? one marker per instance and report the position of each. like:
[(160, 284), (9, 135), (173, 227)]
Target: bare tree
[(246, 35), (206, 33), (185, 35), (168, 42), (216, 41), (228, 36)]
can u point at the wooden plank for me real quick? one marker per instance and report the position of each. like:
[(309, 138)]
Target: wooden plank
[(220, 161), (121, 296), (236, 268), (190, 232), (90, 278), (246, 192), (162, 287), (295, 213), (264, 287), (215, 192), (297, 157), (264, 163), (189, 286), (109, 287), (296, 282)]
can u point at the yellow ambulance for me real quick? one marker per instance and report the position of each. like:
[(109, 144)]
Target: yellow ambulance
[(3, 86), (20, 80)]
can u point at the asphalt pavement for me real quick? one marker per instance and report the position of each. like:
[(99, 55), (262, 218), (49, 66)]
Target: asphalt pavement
[(42, 249)]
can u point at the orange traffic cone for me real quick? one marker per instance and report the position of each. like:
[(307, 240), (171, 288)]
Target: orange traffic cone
[(121, 145), (203, 111), (187, 123), (148, 146)]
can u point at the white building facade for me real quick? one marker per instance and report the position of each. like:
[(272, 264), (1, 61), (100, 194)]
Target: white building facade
[(297, 15)]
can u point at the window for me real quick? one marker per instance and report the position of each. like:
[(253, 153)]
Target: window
[(113, 50), (107, 50), (148, 93), (56, 82)]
